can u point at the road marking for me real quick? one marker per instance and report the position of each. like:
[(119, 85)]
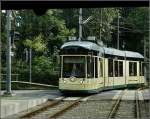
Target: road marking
[(116, 95), (71, 98), (85, 99), (140, 95), (59, 98)]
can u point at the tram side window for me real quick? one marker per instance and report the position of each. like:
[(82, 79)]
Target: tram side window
[(110, 67), (132, 69), (96, 68), (116, 69), (120, 68), (135, 69), (90, 67), (141, 69), (101, 68), (143, 66)]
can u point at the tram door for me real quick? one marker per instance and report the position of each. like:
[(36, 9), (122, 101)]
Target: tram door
[(101, 72), (119, 79)]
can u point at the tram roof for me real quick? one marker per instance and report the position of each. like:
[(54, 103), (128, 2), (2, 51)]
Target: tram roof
[(111, 51)]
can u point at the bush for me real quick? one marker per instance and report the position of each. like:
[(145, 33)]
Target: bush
[(43, 71)]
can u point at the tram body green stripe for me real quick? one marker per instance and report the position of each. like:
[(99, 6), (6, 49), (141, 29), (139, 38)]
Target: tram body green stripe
[(81, 91), (102, 88)]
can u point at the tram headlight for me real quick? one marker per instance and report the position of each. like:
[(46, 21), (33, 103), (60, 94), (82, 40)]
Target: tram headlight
[(63, 80), (82, 80)]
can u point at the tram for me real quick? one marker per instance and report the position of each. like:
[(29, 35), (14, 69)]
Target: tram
[(87, 67)]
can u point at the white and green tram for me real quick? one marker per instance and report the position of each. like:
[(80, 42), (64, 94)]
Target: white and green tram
[(90, 68)]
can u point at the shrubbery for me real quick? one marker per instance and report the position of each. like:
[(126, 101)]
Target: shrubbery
[(43, 71)]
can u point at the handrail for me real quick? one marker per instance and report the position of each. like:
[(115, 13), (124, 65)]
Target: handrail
[(11, 74), (17, 75), (33, 83)]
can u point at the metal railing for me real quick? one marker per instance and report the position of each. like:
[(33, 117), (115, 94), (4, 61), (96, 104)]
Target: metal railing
[(24, 82), (17, 76)]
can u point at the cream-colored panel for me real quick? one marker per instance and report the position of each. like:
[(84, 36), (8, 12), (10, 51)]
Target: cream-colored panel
[(127, 68), (106, 67), (133, 80), (88, 84), (106, 81), (110, 81), (142, 79), (119, 80)]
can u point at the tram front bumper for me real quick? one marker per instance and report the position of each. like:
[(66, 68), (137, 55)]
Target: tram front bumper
[(78, 88), (64, 86), (80, 91)]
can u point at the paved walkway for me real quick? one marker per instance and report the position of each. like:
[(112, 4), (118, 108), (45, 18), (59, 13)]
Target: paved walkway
[(25, 99)]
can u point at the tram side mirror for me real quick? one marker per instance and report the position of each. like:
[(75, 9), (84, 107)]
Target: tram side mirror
[(72, 38), (91, 38)]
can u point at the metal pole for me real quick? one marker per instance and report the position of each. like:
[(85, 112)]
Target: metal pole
[(8, 55), (144, 49), (118, 33), (149, 61), (80, 24), (100, 34), (30, 65), (145, 69), (26, 53)]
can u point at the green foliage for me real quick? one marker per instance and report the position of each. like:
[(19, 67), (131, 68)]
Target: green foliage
[(37, 44), (101, 22), (139, 20), (43, 71), (42, 33), (42, 63), (136, 21)]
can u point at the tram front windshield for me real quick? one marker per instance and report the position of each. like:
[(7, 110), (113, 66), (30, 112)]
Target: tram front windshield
[(74, 66)]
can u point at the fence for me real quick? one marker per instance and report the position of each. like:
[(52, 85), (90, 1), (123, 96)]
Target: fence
[(23, 82)]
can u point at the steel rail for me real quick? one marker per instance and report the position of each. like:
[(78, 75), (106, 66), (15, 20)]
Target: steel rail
[(66, 108), (41, 109), (137, 108), (116, 105), (144, 104)]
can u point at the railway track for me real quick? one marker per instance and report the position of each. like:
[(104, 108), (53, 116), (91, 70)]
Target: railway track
[(52, 109), (66, 108), (141, 110), (137, 106), (129, 109), (115, 106), (44, 107), (119, 108)]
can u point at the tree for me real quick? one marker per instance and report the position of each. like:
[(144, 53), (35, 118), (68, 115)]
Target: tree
[(93, 27), (136, 24), (100, 26), (51, 27), (37, 44)]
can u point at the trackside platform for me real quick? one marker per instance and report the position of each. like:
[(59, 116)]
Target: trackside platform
[(24, 99)]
